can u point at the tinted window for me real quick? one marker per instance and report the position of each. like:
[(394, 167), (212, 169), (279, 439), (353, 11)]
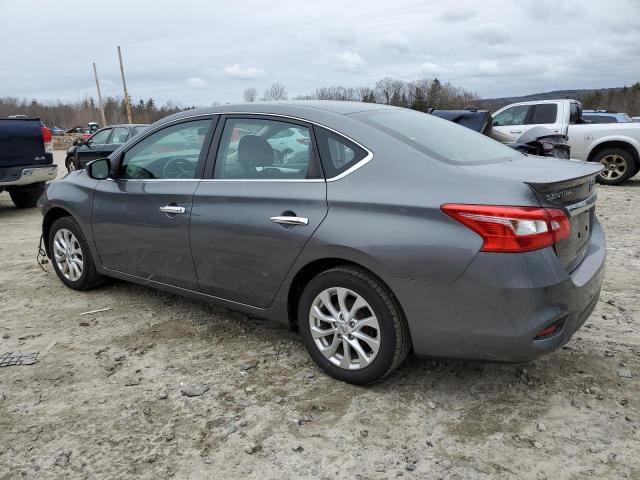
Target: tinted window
[(438, 138), (599, 118), (101, 137), (120, 135), (338, 154), (265, 149), (543, 113), (172, 152), (512, 116)]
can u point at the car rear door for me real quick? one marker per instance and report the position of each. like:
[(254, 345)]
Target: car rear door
[(141, 216), (252, 217)]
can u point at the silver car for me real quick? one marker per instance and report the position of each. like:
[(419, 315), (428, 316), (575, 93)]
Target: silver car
[(394, 231)]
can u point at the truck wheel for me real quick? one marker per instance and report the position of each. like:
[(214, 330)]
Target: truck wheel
[(619, 166), (27, 197), (70, 164)]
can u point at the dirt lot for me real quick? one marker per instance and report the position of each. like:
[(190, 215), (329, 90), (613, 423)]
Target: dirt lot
[(104, 399)]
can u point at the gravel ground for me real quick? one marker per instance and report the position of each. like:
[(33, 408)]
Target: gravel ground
[(106, 398)]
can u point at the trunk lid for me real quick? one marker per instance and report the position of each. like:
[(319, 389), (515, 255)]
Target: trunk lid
[(566, 184), (21, 143)]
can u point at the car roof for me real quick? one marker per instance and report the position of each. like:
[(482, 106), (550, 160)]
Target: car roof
[(126, 125), (312, 110)]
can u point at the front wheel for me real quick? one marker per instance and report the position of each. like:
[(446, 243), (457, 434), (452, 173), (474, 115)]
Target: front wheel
[(70, 164), (71, 256), (352, 326), (27, 197), (619, 166)]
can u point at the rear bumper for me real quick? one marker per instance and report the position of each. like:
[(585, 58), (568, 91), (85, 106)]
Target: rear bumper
[(497, 307), (26, 175)]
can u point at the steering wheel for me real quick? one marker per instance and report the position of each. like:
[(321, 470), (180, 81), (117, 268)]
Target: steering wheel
[(178, 168)]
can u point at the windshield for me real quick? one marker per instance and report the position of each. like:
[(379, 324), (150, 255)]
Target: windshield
[(441, 139)]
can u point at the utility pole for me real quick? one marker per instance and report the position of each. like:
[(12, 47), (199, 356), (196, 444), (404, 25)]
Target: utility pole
[(95, 74), (124, 85)]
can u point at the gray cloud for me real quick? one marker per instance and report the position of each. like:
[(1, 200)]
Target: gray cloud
[(201, 51), (458, 15)]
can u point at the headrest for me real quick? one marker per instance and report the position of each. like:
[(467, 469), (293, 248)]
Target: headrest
[(254, 151)]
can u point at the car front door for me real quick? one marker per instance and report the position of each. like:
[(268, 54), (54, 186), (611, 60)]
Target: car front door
[(253, 216), (93, 148), (119, 136), (141, 216), (511, 121)]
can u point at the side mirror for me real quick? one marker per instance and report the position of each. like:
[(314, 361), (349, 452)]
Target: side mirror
[(99, 169), (495, 123)]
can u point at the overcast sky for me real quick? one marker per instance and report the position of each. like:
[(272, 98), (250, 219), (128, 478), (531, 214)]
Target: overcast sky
[(200, 52)]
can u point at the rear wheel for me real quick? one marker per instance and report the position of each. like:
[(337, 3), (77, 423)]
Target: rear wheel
[(27, 197), (71, 256), (352, 326), (619, 166)]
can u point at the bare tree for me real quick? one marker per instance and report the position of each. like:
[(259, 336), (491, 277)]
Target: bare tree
[(277, 91), (250, 95)]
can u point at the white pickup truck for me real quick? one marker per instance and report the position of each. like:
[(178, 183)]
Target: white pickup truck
[(615, 145)]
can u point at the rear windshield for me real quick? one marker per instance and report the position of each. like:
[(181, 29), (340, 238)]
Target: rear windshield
[(441, 139)]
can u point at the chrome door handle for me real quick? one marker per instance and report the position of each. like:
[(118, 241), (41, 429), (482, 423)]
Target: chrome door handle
[(516, 131), (290, 220), (172, 209)]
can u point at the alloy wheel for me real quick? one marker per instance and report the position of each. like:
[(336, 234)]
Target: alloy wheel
[(614, 167), (344, 328), (68, 254)]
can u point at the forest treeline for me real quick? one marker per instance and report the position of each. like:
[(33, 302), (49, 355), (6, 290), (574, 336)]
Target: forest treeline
[(418, 94)]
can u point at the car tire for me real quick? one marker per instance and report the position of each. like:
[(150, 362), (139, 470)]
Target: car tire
[(71, 256), (378, 317), (70, 164), (619, 166), (27, 197)]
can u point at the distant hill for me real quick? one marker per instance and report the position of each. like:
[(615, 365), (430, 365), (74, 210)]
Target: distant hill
[(577, 94)]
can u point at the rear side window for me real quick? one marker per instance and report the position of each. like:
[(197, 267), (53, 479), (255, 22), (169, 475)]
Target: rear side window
[(338, 154), (265, 149), (543, 113)]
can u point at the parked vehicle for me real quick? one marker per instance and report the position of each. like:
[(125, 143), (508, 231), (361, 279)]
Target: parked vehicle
[(26, 159), (57, 131), (605, 116), (537, 141), (397, 231), (99, 145), (615, 145), (289, 142)]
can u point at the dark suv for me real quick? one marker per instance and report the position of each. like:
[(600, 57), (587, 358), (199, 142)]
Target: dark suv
[(100, 144)]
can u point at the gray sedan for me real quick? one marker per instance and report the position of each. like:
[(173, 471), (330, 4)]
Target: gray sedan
[(394, 231)]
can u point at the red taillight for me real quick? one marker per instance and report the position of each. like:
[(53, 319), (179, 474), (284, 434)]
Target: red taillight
[(512, 229), (303, 141), (46, 134), (47, 138)]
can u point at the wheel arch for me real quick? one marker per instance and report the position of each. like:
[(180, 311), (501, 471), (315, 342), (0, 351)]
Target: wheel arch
[(50, 217), (621, 144), (316, 267)]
